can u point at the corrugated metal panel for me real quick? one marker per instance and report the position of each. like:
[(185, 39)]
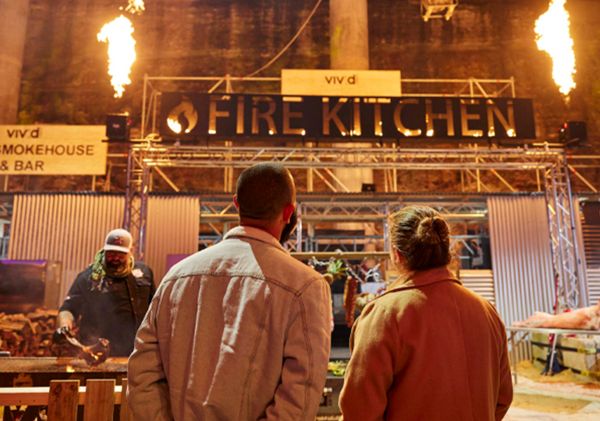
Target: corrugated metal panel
[(480, 282), (68, 228), (591, 242), (521, 256), (521, 259), (581, 257), (590, 226), (593, 279), (172, 228), (590, 229)]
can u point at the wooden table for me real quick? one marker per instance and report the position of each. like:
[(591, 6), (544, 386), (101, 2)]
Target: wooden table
[(38, 371)]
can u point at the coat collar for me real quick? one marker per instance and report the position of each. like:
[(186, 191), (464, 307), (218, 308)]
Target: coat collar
[(425, 277), (255, 234)]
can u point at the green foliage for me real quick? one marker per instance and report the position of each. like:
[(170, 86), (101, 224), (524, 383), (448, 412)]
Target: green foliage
[(336, 268)]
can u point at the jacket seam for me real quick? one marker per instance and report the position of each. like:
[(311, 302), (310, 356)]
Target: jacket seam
[(308, 381), (252, 359), (246, 236), (296, 292), (409, 287)]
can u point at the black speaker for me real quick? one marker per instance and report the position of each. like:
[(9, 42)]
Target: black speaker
[(368, 188), (117, 127), (573, 133)]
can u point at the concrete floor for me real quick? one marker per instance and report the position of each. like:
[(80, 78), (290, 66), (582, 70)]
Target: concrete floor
[(563, 397)]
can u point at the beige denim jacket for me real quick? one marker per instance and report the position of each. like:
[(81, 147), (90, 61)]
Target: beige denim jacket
[(239, 331)]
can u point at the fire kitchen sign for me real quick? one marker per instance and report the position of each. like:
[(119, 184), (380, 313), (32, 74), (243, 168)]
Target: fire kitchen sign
[(199, 116), (52, 150)]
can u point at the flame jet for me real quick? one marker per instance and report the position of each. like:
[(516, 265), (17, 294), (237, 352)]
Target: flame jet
[(553, 36), (121, 46), (121, 52)]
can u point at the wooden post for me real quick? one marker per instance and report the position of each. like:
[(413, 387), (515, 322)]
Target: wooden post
[(124, 415), (99, 400), (13, 37), (63, 400)]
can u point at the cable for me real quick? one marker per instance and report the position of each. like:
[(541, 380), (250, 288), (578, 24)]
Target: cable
[(291, 41)]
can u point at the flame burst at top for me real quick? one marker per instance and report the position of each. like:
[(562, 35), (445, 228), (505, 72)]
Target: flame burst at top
[(121, 52), (135, 6), (553, 36)]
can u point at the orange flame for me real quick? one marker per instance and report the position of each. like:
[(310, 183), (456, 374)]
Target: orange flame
[(553, 36), (121, 52)]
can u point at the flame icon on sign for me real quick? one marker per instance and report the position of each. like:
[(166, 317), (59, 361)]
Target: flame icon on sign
[(183, 118)]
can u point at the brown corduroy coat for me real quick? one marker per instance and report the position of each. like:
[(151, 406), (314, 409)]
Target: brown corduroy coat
[(428, 349)]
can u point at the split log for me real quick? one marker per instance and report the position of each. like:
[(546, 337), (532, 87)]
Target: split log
[(30, 334)]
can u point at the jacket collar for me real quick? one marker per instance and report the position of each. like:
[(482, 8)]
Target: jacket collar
[(255, 234), (424, 277)]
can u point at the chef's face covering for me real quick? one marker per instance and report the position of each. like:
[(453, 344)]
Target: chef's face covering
[(289, 227)]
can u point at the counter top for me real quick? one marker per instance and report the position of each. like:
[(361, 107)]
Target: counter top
[(60, 365)]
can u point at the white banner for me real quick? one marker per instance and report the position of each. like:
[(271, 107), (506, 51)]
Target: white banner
[(384, 83), (52, 150)]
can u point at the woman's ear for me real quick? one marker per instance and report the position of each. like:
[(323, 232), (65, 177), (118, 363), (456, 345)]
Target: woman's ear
[(397, 258), (235, 202)]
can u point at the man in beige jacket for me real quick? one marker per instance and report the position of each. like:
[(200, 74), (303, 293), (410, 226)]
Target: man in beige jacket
[(241, 330)]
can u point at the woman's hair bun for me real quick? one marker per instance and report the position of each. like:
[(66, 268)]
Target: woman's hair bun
[(432, 230)]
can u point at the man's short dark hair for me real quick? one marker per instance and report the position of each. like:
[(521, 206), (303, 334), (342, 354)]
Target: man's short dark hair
[(263, 190)]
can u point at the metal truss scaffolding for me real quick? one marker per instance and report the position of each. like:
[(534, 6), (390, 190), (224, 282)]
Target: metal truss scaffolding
[(217, 210), (570, 283)]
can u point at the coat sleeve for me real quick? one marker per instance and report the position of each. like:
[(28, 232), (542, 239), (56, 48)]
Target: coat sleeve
[(370, 372), (505, 392), (150, 275), (148, 390), (75, 299), (305, 356)]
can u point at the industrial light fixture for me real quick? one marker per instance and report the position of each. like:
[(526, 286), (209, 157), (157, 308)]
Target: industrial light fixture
[(431, 9), (368, 188)]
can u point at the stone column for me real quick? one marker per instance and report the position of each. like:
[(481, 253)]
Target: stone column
[(349, 50), (13, 33), (349, 34)]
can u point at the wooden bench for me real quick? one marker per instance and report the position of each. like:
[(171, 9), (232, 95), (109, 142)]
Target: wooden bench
[(63, 397)]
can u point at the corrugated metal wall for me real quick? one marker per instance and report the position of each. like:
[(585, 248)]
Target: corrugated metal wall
[(521, 261), (68, 228), (480, 281), (521, 256), (172, 228), (593, 278), (590, 230)]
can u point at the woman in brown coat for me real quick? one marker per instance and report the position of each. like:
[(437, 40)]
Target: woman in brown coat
[(427, 349)]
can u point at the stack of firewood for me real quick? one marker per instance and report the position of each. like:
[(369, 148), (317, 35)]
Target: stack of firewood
[(28, 334)]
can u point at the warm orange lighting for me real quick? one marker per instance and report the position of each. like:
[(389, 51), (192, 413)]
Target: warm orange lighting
[(553, 37), (174, 125), (135, 6)]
